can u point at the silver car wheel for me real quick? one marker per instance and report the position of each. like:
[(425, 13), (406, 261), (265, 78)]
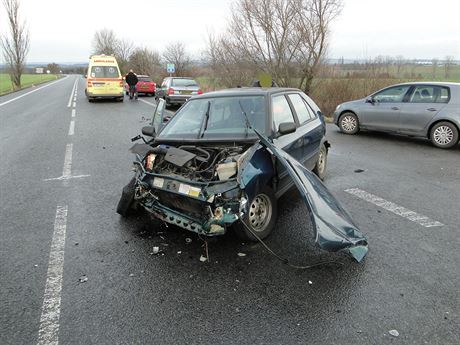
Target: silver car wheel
[(260, 212), (349, 123), (443, 135), (321, 162)]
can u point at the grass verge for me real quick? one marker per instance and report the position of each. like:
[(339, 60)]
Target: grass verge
[(27, 80)]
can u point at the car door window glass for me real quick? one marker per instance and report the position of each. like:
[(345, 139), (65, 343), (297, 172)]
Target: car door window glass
[(430, 94), (301, 109), (281, 111), (392, 95)]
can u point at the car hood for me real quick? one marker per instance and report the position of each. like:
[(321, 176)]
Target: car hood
[(352, 104), (334, 229)]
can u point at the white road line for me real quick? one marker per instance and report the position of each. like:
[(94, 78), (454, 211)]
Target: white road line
[(28, 93), (147, 102), (67, 169), (74, 112), (48, 332), (74, 104), (71, 93), (392, 207), (72, 127)]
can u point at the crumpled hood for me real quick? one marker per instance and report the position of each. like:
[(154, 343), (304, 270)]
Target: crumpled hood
[(334, 229)]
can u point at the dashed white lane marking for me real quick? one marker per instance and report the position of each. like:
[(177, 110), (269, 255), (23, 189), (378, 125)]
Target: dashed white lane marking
[(72, 127), (74, 112), (67, 169), (48, 332), (74, 104), (72, 93), (392, 207), (147, 102), (28, 93)]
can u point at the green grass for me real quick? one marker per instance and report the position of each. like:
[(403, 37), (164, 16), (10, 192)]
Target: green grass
[(26, 81)]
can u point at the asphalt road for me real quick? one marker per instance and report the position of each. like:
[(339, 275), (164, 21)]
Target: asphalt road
[(409, 281)]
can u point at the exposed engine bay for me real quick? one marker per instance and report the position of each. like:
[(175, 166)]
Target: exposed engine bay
[(195, 163)]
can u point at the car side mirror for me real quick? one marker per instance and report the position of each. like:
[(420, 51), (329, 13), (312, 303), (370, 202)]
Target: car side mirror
[(286, 128), (370, 100), (148, 131)]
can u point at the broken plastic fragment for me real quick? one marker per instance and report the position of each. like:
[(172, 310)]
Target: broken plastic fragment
[(310, 282), (155, 250), (188, 240), (83, 279), (203, 258), (394, 333), (241, 254)]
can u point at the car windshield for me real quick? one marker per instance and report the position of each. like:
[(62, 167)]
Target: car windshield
[(104, 72), (145, 79), (214, 118), (184, 82)]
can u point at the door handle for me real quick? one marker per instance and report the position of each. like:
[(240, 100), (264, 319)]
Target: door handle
[(394, 108), (431, 109)]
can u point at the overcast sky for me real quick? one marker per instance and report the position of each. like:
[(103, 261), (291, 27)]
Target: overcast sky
[(62, 30)]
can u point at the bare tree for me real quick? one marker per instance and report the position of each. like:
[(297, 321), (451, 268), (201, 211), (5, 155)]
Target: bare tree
[(123, 51), (284, 38), (15, 46), (434, 67), (448, 64), (105, 42), (400, 61), (175, 53), (146, 61)]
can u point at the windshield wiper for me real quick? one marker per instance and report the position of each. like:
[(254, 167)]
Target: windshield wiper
[(204, 124), (246, 122)]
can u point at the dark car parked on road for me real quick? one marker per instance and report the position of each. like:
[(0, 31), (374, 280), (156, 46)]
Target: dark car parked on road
[(226, 157), (422, 109), (176, 91)]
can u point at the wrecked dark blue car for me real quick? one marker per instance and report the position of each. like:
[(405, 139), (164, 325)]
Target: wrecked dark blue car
[(226, 157)]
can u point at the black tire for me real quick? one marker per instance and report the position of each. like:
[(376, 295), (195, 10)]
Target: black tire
[(90, 100), (251, 219), (321, 163), (348, 123), (126, 203), (120, 99), (167, 104), (444, 135)]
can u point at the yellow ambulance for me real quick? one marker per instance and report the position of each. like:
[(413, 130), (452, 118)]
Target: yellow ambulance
[(103, 79)]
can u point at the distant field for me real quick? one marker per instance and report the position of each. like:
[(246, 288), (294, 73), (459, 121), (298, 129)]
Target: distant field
[(26, 80)]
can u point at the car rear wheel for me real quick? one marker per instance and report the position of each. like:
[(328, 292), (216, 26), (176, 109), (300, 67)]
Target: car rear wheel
[(321, 163), (348, 123), (444, 135), (261, 216)]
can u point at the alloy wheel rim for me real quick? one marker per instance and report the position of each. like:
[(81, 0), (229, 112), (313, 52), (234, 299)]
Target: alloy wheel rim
[(260, 212), (443, 135), (349, 123)]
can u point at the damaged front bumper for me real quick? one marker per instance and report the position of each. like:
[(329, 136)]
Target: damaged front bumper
[(204, 208)]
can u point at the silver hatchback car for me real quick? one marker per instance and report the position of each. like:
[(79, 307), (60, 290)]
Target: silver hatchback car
[(421, 109)]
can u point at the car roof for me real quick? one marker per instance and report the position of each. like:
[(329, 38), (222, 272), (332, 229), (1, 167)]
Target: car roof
[(441, 83), (247, 91)]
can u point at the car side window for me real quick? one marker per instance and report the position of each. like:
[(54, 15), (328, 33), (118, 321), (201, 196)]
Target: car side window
[(392, 95), (300, 107), (430, 94), (281, 111)]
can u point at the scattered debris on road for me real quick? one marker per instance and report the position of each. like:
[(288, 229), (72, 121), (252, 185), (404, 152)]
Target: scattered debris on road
[(242, 254), (359, 171), (310, 282), (188, 240), (83, 279), (394, 333), (155, 250), (203, 258)]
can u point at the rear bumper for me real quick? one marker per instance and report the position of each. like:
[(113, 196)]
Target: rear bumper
[(104, 95), (178, 99)]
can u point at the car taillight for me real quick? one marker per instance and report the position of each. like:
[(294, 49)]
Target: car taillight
[(90, 84), (121, 84), (200, 92), (149, 161), (170, 91)]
